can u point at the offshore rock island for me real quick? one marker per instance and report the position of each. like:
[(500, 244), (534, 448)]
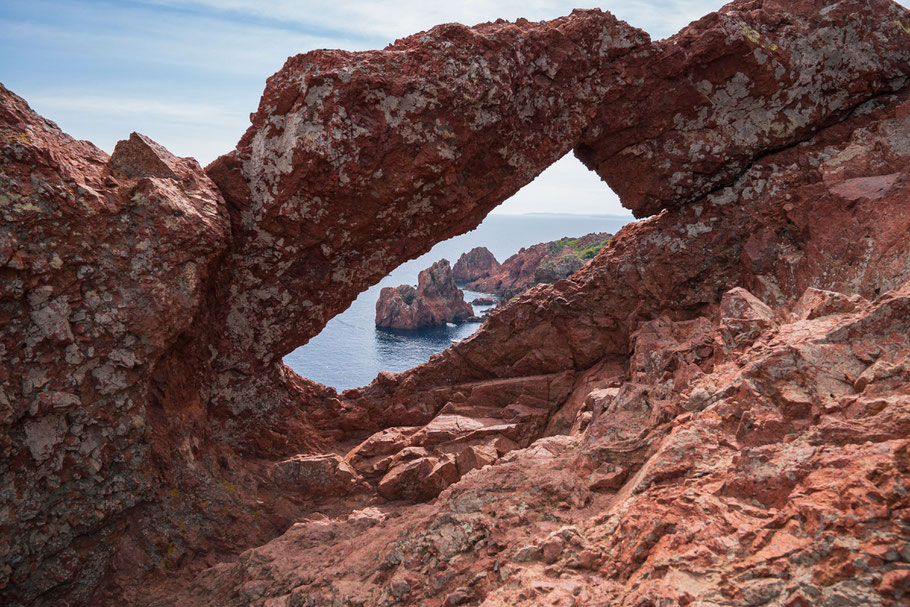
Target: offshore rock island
[(547, 262), (715, 410), (436, 301)]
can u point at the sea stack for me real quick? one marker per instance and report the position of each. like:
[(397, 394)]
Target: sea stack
[(475, 264), (436, 301)]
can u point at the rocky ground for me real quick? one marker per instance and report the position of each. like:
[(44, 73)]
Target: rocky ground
[(436, 301), (714, 411)]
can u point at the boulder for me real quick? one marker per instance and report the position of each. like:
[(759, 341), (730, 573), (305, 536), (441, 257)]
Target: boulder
[(317, 475)]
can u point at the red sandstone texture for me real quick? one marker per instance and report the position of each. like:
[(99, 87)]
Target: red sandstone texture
[(436, 301), (547, 262), (713, 411)]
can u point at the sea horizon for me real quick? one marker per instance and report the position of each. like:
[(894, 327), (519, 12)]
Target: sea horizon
[(350, 351)]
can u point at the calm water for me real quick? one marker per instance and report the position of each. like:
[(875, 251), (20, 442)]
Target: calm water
[(350, 351)]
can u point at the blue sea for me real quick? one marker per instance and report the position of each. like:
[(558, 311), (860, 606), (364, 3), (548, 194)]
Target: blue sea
[(350, 351)]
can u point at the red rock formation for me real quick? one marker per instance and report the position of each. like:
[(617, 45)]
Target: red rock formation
[(104, 263), (476, 263), (339, 161), (699, 442), (484, 301), (436, 301), (757, 75), (547, 262), (738, 447)]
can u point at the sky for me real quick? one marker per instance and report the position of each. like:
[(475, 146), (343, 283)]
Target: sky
[(187, 73)]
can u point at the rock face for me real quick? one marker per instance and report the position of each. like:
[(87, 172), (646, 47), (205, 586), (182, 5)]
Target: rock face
[(338, 161), (546, 262), (436, 301), (475, 264), (715, 409), (754, 76), (105, 263)]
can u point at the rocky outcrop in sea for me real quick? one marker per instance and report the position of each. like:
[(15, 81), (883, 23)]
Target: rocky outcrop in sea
[(547, 262), (436, 301), (479, 262), (713, 410)]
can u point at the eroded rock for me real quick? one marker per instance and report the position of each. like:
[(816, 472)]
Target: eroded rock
[(475, 264), (144, 402), (547, 262), (436, 300)]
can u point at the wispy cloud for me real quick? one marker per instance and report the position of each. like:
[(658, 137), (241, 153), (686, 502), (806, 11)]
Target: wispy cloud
[(192, 113), (370, 20)]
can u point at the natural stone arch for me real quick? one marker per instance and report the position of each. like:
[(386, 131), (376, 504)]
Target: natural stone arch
[(357, 162), (156, 372)]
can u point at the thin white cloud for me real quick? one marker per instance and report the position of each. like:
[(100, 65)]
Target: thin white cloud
[(397, 18), (193, 113), (149, 39)]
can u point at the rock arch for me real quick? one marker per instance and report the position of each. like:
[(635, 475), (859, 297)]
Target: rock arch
[(170, 374), (357, 162)]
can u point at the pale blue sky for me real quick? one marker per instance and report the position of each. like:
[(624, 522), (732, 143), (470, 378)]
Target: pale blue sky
[(188, 72)]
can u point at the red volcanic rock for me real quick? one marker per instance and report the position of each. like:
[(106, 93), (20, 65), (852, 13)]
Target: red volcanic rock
[(547, 262), (325, 475), (715, 409), (816, 303), (105, 264), (733, 492), (476, 263), (139, 156), (340, 160), (436, 301), (754, 76), (743, 318), (484, 301)]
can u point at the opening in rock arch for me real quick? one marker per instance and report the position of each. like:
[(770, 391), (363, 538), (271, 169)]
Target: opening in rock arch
[(566, 200)]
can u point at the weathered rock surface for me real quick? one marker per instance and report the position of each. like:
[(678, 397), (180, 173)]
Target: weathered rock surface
[(547, 262), (390, 152), (104, 266), (756, 75), (436, 301), (476, 263), (741, 449), (715, 409)]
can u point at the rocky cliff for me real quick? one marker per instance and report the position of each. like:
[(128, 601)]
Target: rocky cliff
[(436, 301), (714, 410), (547, 262)]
